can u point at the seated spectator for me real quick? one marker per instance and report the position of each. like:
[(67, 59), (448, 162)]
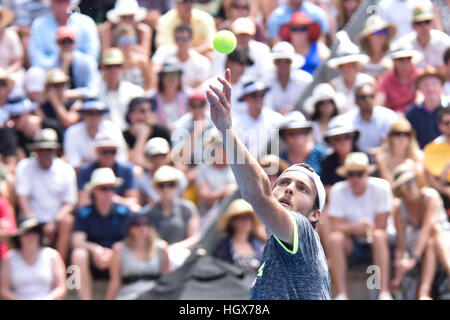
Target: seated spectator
[(32, 271), (423, 116), (273, 166), (142, 126), (196, 67), (287, 83), (170, 95), (137, 261), (422, 230), (375, 40), (80, 67), (436, 160), (322, 105), (430, 42), (6, 85), (296, 132), (349, 62), (202, 23), (359, 236), (283, 13), (372, 121), (97, 227), (115, 92), (257, 125), (446, 72), (345, 10), (106, 149), (155, 9), (214, 180), (441, 15), (7, 227), (42, 47), (11, 51), (396, 88), (46, 190), (137, 66), (157, 154), (26, 124), (35, 84), (57, 105), (8, 150), (304, 34), (79, 137), (177, 220), (241, 245), (399, 147), (127, 13)]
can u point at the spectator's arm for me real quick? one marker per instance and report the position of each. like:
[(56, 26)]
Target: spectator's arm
[(59, 279), (193, 233), (400, 226), (66, 209), (165, 264), (79, 240), (24, 207), (115, 279), (5, 281), (435, 183), (381, 220), (359, 229), (208, 196)]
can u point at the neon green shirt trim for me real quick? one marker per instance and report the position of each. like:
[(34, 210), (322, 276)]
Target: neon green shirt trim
[(295, 246)]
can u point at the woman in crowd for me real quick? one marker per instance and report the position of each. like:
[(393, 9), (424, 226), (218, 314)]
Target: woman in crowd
[(137, 261), (322, 105), (137, 67), (345, 9), (296, 132), (423, 231), (400, 146), (241, 246), (32, 271), (375, 40)]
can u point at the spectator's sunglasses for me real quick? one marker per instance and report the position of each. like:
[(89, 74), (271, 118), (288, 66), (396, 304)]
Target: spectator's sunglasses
[(445, 123), (240, 7), (403, 59), (420, 23), (140, 223), (127, 41), (341, 137), (364, 97), (3, 83), (357, 174), (400, 134), (297, 132), (324, 102), (163, 185), (107, 188), (58, 85), (303, 28), (113, 66), (182, 39), (283, 61), (107, 152), (258, 94), (66, 41), (381, 32)]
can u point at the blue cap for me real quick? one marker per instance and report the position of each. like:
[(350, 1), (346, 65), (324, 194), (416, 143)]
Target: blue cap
[(93, 105), (20, 105)]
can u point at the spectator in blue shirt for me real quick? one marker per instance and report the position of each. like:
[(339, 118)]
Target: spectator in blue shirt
[(282, 15), (42, 47), (97, 227)]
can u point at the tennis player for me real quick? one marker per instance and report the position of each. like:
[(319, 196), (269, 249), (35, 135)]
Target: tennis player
[(293, 265)]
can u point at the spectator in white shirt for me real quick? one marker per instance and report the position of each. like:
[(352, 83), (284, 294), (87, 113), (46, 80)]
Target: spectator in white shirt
[(430, 42), (358, 209), (46, 190), (79, 138), (288, 82)]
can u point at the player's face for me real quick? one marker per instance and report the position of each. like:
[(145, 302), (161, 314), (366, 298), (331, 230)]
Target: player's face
[(296, 191)]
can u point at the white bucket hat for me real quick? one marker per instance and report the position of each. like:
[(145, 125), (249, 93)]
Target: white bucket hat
[(103, 177), (346, 52), (156, 146), (323, 91), (285, 50), (126, 8)]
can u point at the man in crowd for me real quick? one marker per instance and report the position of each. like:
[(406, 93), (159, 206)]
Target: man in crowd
[(358, 209)]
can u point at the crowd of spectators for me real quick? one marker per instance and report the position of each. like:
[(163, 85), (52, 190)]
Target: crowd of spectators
[(110, 163)]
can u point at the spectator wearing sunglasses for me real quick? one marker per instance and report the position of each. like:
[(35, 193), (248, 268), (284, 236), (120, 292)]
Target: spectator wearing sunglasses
[(106, 149), (423, 115), (196, 67), (97, 227), (372, 121), (80, 67), (423, 231), (358, 210), (396, 88), (176, 220), (400, 146), (375, 40), (430, 42), (137, 66)]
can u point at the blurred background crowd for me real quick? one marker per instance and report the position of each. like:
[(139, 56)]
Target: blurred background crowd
[(109, 161)]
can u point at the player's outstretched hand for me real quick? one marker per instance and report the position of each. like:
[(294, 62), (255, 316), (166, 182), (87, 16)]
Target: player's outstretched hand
[(220, 103)]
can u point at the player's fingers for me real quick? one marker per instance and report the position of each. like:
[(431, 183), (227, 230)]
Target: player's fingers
[(228, 75), (219, 94), (213, 101), (226, 88)]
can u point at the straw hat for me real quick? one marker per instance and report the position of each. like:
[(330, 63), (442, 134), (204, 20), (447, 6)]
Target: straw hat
[(402, 174), (373, 24), (285, 50), (402, 125), (126, 8), (45, 139), (113, 56), (429, 71), (271, 162), (422, 14), (355, 161), (340, 129), (323, 91), (56, 76), (237, 208), (6, 17), (102, 177), (104, 140), (166, 174), (6, 76), (347, 52), (156, 145)]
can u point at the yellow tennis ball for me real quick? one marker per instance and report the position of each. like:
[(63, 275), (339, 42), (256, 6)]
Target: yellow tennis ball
[(224, 41)]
